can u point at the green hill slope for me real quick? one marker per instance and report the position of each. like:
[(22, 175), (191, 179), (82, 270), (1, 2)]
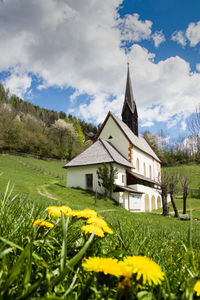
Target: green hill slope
[(160, 238), (192, 171)]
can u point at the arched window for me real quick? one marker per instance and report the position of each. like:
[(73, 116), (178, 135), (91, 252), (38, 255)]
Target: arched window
[(137, 165), (150, 172), (144, 167)]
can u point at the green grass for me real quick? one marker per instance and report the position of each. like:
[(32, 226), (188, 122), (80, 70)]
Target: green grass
[(29, 176), (160, 238), (192, 171)]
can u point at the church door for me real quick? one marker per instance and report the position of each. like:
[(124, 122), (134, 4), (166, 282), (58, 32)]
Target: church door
[(89, 181)]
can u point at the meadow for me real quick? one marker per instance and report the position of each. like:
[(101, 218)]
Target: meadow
[(45, 263)]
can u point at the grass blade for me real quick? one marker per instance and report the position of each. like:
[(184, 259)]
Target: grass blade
[(72, 262), (16, 268), (18, 247), (64, 244)]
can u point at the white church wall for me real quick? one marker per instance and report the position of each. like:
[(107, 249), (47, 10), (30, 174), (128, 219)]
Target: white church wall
[(151, 192), (118, 138), (76, 177), (120, 178), (122, 198), (145, 161)]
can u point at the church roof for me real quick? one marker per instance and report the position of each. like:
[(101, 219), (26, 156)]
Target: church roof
[(129, 99), (137, 141), (119, 188), (100, 152)]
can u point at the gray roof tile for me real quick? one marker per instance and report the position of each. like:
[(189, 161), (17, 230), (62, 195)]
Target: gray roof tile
[(100, 152)]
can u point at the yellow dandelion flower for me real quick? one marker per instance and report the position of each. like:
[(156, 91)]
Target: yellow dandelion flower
[(66, 210), (74, 213), (90, 229), (42, 223), (54, 211), (87, 213), (197, 287), (106, 265), (145, 269), (101, 223)]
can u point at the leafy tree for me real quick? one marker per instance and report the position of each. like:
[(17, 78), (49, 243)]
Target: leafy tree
[(106, 176), (3, 94)]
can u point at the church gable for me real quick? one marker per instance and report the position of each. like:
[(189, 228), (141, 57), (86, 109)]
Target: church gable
[(110, 131)]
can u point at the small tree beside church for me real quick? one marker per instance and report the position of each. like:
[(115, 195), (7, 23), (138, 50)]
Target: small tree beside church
[(106, 176)]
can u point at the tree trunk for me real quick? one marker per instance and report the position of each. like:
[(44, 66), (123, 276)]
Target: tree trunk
[(164, 204), (184, 204), (174, 206)]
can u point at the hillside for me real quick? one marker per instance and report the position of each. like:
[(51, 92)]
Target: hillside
[(41, 183), (31, 129), (192, 171), (30, 175)]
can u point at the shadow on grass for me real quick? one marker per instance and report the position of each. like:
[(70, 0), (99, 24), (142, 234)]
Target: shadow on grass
[(60, 185), (88, 193)]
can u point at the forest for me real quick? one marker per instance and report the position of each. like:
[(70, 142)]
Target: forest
[(26, 128)]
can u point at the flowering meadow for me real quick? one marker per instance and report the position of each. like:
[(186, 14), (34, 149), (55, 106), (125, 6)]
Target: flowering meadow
[(61, 253), (56, 252)]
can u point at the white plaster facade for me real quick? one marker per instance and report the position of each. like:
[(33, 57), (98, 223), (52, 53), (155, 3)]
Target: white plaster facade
[(118, 139), (148, 200), (76, 177)]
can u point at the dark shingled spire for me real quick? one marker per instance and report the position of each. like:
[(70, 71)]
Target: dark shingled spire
[(129, 111)]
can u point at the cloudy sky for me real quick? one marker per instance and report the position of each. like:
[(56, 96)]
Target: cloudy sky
[(71, 55)]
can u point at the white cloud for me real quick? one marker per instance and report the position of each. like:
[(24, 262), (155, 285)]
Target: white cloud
[(165, 91), (70, 44), (179, 37), (193, 33), (158, 38), (18, 83), (133, 29), (65, 43), (147, 124)]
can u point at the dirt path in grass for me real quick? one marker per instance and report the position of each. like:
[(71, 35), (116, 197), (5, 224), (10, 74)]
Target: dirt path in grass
[(46, 194), (43, 191)]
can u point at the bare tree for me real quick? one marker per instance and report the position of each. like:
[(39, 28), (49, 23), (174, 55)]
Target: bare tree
[(164, 189), (194, 127), (184, 185), (194, 123), (173, 180)]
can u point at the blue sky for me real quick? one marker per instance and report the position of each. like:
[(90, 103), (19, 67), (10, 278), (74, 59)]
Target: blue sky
[(71, 55)]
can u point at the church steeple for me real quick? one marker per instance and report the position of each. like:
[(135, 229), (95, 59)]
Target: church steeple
[(129, 111)]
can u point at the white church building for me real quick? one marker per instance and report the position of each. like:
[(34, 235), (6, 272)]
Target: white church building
[(137, 183)]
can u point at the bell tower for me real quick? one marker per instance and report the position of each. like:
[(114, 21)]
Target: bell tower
[(129, 111)]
